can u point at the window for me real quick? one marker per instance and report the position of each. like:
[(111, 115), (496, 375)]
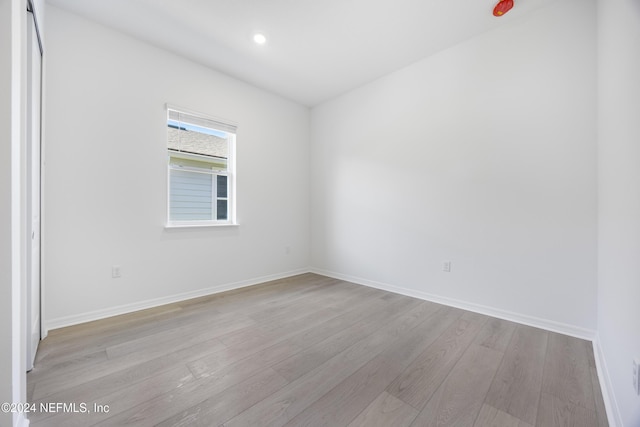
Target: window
[(200, 155)]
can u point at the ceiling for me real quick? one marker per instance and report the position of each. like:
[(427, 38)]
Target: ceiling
[(315, 50)]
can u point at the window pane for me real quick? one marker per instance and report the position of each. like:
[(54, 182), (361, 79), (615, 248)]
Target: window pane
[(222, 186), (199, 150), (203, 144), (190, 196), (222, 210)]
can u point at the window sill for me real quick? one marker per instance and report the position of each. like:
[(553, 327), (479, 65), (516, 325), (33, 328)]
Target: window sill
[(202, 225)]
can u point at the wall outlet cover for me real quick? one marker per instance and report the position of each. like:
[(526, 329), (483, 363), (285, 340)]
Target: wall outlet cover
[(116, 271)]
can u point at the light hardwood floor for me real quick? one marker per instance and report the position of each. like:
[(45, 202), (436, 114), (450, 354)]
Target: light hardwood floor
[(314, 351)]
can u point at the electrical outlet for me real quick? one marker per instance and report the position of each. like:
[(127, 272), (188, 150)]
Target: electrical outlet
[(287, 250), (116, 272), (446, 266), (636, 380)]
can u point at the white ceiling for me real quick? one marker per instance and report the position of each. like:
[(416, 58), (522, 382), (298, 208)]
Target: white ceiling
[(315, 50)]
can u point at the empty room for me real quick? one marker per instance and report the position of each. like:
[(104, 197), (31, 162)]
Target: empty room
[(336, 213)]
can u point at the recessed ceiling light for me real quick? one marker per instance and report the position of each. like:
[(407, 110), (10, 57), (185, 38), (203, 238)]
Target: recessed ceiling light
[(259, 38)]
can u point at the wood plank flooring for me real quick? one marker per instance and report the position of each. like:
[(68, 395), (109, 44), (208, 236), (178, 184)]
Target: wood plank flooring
[(313, 351)]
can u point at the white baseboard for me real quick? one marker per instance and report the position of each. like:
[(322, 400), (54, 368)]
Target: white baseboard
[(613, 412), (141, 305), (549, 325)]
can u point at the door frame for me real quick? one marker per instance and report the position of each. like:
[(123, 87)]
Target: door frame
[(31, 28)]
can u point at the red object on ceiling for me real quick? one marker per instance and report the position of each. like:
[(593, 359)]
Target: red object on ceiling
[(502, 7)]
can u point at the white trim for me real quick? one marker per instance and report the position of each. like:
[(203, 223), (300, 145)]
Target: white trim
[(608, 395), (220, 120), (17, 43), (141, 305), (613, 412), (22, 421), (549, 325), (43, 165), (231, 183), (203, 224), (229, 172)]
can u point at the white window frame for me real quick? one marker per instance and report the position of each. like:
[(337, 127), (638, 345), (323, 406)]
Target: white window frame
[(230, 173)]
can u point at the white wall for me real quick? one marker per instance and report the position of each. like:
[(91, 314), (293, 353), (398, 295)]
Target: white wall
[(105, 189), (485, 155), (619, 199)]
